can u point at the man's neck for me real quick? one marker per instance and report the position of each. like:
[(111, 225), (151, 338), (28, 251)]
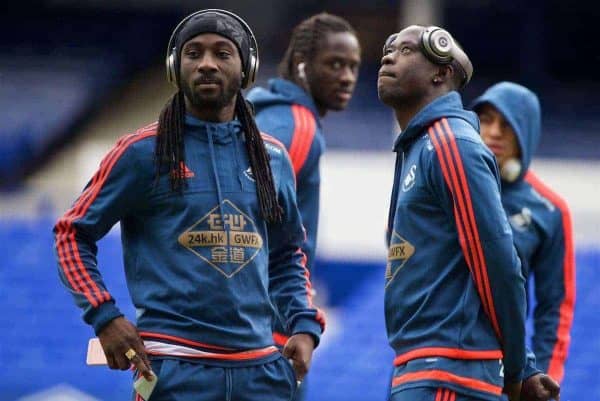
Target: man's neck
[(221, 115), (322, 110), (406, 111)]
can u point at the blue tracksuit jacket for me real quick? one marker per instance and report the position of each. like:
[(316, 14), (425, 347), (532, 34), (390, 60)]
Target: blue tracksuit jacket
[(542, 230), (201, 267), (455, 296)]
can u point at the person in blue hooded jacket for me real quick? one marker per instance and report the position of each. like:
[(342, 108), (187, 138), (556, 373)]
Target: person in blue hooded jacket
[(211, 235), (510, 118), (318, 73), (454, 292)]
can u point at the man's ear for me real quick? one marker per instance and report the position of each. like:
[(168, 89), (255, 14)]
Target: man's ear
[(443, 74)]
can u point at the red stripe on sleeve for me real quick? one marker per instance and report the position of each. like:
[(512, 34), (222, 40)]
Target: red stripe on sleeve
[(69, 255), (320, 317), (101, 295), (106, 165), (63, 245), (556, 368), (453, 172), (105, 169), (69, 269), (302, 138), (477, 244), (297, 127), (68, 263), (464, 233), (66, 234)]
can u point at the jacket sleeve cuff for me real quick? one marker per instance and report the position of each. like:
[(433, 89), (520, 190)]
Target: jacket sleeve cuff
[(530, 371), (310, 327), (530, 366), (100, 316)]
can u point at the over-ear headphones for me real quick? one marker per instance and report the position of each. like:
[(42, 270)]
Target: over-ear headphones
[(440, 48), (249, 71)]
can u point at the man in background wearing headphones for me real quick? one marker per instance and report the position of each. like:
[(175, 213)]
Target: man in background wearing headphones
[(510, 118), (199, 195), (317, 74), (455, 296)]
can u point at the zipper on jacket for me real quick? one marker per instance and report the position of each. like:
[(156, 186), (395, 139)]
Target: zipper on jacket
[(394, 199)]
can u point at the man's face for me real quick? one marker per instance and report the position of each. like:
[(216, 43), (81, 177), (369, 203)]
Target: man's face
[(333, 71), (497, 134), (405, 73), (211, 71)]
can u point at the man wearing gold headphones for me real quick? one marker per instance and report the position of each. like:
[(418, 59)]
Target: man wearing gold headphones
[(455, 296), (211, 235)]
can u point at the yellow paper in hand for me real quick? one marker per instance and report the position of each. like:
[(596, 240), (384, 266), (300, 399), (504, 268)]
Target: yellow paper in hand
[(144, 388)]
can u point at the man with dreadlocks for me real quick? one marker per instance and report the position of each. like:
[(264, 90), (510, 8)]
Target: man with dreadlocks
[(318, 73), (210, 230)]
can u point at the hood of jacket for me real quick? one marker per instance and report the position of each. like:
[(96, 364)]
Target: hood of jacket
[(446, 106), (521, 109), (282, 91)]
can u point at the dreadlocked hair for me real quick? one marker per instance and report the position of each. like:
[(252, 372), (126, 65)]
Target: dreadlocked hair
[(169, 152), (307, 36), (259, 163)]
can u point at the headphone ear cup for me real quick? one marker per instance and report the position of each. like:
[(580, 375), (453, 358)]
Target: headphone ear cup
[(171, 73), (253, 69), (437, 44), (441, 43), (249, 76)]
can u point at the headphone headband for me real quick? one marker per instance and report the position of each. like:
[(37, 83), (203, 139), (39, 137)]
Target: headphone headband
[(249, 70)]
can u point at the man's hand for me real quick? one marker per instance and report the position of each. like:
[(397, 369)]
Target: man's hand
[(299, 349), (513, 391), (540, 387), (123, 347)]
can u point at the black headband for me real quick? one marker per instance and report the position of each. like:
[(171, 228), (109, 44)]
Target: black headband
[(221, 24)]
